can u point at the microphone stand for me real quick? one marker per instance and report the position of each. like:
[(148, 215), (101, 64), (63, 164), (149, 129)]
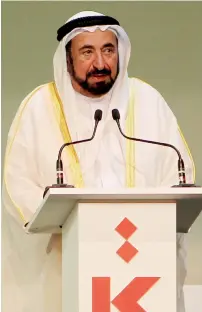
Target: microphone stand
[(181, 167)]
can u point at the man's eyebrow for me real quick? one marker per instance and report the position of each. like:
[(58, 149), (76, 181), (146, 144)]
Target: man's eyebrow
[(86, 46), (108, 45)]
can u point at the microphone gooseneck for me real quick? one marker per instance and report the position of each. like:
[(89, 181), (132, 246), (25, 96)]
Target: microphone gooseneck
[(181, 167), (59, 164)]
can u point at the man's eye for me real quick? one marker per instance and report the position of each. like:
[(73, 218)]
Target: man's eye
[(108, 50), (87, 52)]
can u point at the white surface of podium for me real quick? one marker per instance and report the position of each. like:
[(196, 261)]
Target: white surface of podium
[(119, 246)]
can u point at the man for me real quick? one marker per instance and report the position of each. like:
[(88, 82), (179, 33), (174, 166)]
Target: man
[(90, 72)]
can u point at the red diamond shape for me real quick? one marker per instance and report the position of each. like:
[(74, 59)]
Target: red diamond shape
[(127, 252), (126, 228)]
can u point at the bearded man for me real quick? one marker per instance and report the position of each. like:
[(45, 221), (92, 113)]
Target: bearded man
[(90, 73)]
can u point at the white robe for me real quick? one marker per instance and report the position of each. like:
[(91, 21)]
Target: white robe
[(31, 273)]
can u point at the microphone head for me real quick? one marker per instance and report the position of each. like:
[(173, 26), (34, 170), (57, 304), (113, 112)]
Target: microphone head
[(115, 114), (98, 115)]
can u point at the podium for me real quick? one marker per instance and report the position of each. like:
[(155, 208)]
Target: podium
[(118, 245)]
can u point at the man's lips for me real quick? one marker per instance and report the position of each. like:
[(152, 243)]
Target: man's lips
[(99, 76)]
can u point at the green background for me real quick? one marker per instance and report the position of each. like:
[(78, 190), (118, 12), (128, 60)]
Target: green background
[(166, 42)]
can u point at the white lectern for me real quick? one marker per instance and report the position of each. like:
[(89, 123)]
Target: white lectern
[(119, 246)]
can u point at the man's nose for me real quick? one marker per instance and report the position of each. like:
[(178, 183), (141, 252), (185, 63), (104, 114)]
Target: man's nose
[(99, 61)]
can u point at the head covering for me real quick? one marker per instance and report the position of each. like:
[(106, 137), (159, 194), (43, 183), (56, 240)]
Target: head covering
[(62, 78), (79, 109), (85, 21)]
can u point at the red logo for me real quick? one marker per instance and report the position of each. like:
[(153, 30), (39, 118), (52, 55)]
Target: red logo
[(126, 300), (127, 251)]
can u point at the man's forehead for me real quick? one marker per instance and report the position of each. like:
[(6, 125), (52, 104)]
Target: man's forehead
[(98, 36)]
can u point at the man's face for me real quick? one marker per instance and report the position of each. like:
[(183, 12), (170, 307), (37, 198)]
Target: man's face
[(93, 62)]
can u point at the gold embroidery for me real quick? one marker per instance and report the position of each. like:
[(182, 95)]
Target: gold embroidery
[(189, 152), (75, 169), (130, 145), (16, 124)]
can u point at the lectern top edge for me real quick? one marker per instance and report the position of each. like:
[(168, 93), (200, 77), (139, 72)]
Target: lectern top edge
[(127, 191)]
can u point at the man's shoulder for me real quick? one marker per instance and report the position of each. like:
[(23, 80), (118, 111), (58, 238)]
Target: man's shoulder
[(37, 97), (143, 86), (150, 99), (34, 100), (32, 105), (39, 90)]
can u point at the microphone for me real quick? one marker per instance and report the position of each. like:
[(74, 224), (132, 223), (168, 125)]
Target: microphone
[(59, 164), (181, 167)]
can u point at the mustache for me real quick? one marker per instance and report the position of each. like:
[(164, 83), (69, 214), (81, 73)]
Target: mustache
[(103, 71)]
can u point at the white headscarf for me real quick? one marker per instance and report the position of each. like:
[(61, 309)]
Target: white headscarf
[(79, 110), (63, 81)]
